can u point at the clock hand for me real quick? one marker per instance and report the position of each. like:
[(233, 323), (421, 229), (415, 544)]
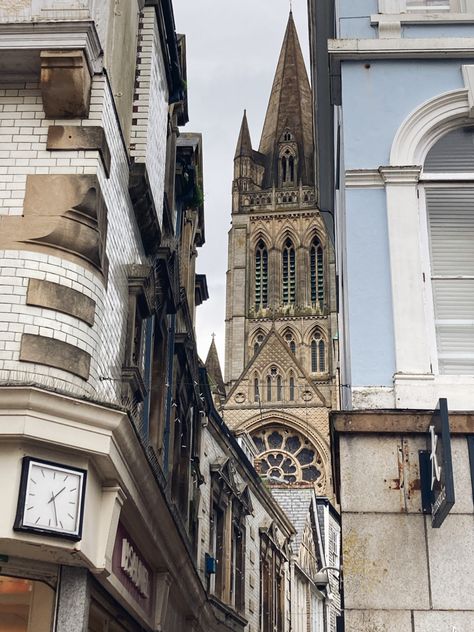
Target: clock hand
[(54, 507), (54, 496)]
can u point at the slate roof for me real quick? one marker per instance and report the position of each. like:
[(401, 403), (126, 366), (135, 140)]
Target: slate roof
[(295, 502)]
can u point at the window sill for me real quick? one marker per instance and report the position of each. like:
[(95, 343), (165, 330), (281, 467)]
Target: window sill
[(438, 17)]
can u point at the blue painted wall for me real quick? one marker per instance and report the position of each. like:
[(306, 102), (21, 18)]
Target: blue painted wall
[(368, 288), (377, 99)]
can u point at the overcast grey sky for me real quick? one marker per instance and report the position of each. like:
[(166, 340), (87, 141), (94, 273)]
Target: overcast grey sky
[(232, 52)]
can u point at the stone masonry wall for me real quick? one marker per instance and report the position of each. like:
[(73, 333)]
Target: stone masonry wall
[(400, 574)]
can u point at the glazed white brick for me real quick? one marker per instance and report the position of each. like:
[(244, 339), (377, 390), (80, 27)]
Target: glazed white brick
[(104, 341)]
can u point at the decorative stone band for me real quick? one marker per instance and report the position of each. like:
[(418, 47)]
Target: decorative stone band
[(61, 299), (64, 215), (78, 138), (56, 354)]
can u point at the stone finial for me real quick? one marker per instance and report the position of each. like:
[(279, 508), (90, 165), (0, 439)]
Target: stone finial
[(65, 84)]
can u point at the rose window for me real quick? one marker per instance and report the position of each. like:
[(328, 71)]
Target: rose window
[(287, 456)]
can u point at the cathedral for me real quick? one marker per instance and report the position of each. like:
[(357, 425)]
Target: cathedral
[(280, 305)]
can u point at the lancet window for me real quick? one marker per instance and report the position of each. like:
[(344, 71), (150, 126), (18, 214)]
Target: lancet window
[(287, 167), (289, 273), (318, 354), (290, 341), (261, 275), (317, 273)]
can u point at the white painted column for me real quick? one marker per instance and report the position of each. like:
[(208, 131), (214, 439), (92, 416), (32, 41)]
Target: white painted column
[(412, 350)]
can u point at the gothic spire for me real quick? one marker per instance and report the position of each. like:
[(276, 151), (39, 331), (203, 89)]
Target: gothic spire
[(213, 368), (289, 108), (244, 144)]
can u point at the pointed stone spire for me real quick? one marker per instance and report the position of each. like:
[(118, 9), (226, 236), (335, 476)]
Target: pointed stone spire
[(290, 107), (213, 368), (244, 144)]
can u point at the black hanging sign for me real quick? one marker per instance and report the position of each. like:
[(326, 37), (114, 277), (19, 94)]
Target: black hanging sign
[(441, 471)]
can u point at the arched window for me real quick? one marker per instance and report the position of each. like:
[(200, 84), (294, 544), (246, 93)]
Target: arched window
[(261, 276), (269, 388), (450, 222), (283, 168), (256, 390), (292, 388), (258, 341), (287, 168), (290, 341), (289, 273), (317, 273), (318, 354), (279, 389)]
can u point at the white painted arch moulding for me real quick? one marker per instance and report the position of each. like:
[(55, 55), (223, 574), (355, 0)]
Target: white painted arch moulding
[(426, 124)]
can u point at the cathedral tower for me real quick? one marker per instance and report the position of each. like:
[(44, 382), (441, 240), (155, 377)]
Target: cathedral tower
[(280, 303)]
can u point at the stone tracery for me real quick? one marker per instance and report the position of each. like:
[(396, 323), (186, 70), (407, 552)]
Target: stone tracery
[(287, 456)]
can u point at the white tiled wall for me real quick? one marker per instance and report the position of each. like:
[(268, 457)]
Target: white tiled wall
[(23, 133), (149, 129)]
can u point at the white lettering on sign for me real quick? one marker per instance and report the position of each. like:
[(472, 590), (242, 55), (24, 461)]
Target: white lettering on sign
[(435, 468), (134, 568)]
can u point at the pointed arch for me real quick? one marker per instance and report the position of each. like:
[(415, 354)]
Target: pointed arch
[(290, 337), (287, 231), (257, 339)]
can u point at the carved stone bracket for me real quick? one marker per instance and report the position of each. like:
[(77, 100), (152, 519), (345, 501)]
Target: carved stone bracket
[(65, 84), (65, 216)]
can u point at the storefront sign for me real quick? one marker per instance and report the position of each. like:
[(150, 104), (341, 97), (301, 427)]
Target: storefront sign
[(133, 566), (436, 467), (130, 567)]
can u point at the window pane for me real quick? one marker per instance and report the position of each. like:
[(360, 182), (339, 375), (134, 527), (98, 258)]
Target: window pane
[(427, 4), (454, 152), (451, 226)]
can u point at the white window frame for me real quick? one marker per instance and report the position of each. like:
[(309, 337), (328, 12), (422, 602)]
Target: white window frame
[(417, 382)]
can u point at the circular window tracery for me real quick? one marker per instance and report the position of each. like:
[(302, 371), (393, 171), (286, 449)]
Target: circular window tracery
[(286, 456)]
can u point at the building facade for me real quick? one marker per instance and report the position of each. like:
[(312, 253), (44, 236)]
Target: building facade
[(280, 298), (127, 504), (394, 109)]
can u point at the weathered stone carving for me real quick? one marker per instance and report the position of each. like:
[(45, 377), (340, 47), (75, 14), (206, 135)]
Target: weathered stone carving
[(61, 299), (56, 354), (74, 137), (65, 84), (63, 214)]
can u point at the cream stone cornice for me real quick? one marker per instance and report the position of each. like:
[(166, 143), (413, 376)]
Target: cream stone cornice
[(363, 178), (24, 36), (400, 175), (459, 47), (445, 17), (17, 398)]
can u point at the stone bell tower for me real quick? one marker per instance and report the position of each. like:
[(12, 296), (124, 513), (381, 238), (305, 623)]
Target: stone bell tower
[(279, 367)]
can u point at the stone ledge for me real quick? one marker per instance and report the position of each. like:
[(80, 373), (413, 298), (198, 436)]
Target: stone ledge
[(56, 354), (61, 299), (79, 138)]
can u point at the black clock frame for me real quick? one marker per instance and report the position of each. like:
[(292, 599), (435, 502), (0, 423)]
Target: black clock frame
[(19, 526)]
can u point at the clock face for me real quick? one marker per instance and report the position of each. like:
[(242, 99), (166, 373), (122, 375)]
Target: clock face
[(51, 498)]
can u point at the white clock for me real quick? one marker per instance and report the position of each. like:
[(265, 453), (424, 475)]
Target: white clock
[(51, 499)]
